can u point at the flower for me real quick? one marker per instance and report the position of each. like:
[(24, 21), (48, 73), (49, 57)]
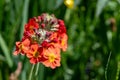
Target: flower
[(63, 42), (44, 36), (69, 3), (31, 27), (52, 57), (22, 47), (62, 28), (35, 53)]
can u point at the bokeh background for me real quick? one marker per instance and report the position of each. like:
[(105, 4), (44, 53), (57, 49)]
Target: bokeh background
[(93, 28)]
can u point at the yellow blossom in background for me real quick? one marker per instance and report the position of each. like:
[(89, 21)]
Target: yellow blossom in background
[(69, 3)]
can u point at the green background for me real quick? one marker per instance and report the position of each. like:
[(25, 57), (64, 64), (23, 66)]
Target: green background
[(93, 28)]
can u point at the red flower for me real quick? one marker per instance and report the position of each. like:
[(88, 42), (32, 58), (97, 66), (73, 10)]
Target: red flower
[(31, 26), (22, 47), (62, 28), (45, 44)]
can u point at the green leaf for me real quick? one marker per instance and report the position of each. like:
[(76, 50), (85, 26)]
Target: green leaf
[(54, 4), (24, 16), (118, 1), (67, 14), (2, 58), (6, 51), (77, 2), (99, 7), (41, 72), (42, 4), (58, 3), (51, 4)]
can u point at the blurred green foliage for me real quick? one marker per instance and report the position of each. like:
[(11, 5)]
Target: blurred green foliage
[(93, 28)]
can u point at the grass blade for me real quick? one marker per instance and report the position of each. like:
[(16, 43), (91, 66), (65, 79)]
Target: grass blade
[(24, 16), (118, 70), (107, 66), (6, 51)]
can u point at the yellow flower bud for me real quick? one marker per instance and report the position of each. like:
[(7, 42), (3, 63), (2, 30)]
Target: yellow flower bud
[(69, 3)]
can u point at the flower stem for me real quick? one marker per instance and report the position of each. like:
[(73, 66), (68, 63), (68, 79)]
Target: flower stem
[(30, 76), (36, 72)]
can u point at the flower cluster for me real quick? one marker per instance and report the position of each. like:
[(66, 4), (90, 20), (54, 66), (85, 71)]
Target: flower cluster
[(44, 37)]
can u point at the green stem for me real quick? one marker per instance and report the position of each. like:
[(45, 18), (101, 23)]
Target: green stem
[(31, 72), (36, 72), (41, 73)]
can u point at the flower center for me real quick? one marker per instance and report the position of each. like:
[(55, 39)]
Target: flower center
[(21, 47), (63, 43), (47, 26), (36, 54), (52, 57), (31, 27)]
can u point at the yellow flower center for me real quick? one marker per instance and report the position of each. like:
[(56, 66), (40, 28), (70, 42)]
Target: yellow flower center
[(52, 57), (35, 54), (63, 43), (31, 27), (21, 47)]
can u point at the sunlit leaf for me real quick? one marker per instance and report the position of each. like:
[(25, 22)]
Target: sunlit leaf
[(58, 3), (100, 6)]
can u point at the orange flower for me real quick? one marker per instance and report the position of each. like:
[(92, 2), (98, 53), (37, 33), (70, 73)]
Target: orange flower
[(53, 35), (52, 57), (44, 36), (63, 41), (34, 53), (22, 47), (59, 40)]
